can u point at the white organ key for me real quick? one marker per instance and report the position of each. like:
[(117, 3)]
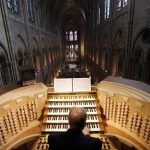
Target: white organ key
[(92, 119), (66, 112), (56, 127), (66, 106), (71, 99), (59, 107)]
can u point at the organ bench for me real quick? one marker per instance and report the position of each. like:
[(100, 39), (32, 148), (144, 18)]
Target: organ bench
[(115, 111)]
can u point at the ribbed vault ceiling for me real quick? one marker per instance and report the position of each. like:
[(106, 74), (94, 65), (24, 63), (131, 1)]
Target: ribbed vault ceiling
[(66, 10)]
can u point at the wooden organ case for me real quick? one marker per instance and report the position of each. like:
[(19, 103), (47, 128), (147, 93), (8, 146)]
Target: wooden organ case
[(114, 111), (125, 107), (20, 112)]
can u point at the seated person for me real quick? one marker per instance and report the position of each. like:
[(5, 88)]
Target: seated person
[(77, 137)]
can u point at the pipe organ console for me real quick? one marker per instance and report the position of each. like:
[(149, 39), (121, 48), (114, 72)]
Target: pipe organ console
[(116, 113), (57, 109)]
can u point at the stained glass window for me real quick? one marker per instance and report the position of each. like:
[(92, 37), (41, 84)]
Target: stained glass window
[(16, 5), (106, 9), (119, 3), (67, 36), (70, 36), (30, 9), (98, 16), (76, 47), (125, 2), (71, 46), (75, 36), (9, 4), (13, 5)]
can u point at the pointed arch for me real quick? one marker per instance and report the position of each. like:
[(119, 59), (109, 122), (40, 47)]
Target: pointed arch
[(36, 54), (20, 47), (44, 52), (117, 57), (141, 47), (4, 66)]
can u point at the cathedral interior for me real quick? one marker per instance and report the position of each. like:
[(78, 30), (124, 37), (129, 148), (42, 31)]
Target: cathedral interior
[(100, 49)]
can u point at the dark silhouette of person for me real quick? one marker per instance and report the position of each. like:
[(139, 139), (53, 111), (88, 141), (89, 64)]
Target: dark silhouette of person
[(77, 136)]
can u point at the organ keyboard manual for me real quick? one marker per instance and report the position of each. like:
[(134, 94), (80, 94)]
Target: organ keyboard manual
[(57, 109)]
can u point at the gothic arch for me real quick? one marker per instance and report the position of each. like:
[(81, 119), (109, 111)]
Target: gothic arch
[(120, 65), (141, 48), (4, 49), (43, 43), (20, 56), (48, 50), (105, 42), (138, 58), (35, 44), (139, 34), (36, 54), (21, 52), (105, 61), (104, 52), (44, 52), (118, 42), (4, 66), (147, 66), (22, 40), (117, 57)]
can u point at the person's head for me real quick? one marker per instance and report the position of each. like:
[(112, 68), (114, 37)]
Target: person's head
[(77, 118)]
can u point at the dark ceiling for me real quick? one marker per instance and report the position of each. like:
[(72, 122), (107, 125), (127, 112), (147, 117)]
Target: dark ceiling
[(74, 11)]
